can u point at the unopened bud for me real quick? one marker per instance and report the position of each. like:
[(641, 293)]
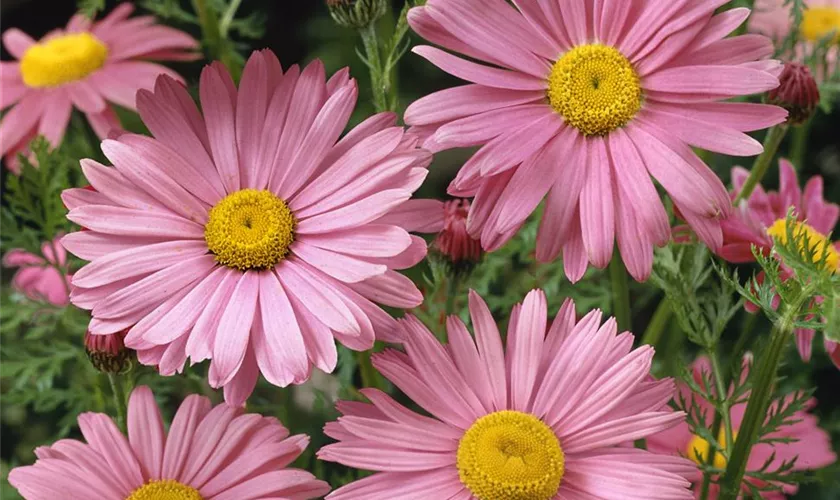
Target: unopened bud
[(356, 14), (107, 353), (797, 92), (454, 244)]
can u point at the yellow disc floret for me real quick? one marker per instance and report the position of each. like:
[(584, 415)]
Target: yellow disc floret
[(819, 22), (698, 450), (595, 88), (820, 246), (510, 455), (250, 229), (62, 59), (165, 489)]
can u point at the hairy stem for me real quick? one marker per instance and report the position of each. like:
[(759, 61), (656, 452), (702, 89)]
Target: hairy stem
[(119, 400), (377, 73), (800, 144), (620, 293), (762, 163), (658, 322), (760, 397)]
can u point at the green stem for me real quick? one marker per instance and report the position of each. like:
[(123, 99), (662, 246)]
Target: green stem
[(710, 459), (62, 270), (800, 144), (368, 373), (377, 75), (658, 322), (762, 163), (119, 400), (451, 294), (620, 293), (209, 27), (227, 17), (721, 382), (760, 397)]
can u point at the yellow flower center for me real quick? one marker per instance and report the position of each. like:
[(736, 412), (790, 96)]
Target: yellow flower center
[(819, 22), (595, 88), (698, 450), (62, 59), (820, 246), (509, 455), (165, 489), (250, 229)]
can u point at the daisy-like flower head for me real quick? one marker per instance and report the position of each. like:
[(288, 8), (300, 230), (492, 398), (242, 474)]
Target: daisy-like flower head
[(38, 278), (763, 217), (809, 442), (86, 65), (209, 453), (549, 417), (820, 19), (249, 234), (584, 101)]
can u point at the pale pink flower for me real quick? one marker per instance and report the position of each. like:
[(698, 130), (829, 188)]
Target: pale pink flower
[(584, 102), (763, 216), (812, 444), (565, 400), (446, 219), (248, 235), (821, 17), (86, 65), (209, 453), (37, 277)]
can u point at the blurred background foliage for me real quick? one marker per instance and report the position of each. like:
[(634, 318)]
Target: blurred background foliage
[(46, 379)]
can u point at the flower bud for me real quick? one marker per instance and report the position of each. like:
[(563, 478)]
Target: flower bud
[(356, 14), (454, 244), (797, 92), (107, 353)]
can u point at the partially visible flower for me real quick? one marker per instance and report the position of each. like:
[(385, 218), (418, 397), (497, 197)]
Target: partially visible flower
[(548, 417), (209, 453), (798, 93), (107, 353), (357, 14), (810, 443), (821, 18), (585, 105), (446, 219), (38, 278), (85, 65), (247, 233), (763, 217)]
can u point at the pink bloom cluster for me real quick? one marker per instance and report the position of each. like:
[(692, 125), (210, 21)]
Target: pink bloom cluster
[(38, 277)]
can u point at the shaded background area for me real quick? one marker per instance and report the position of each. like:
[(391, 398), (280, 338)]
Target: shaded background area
[(299, 31)]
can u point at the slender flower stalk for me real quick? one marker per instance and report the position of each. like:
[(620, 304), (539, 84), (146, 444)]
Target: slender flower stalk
[(762, 163), (760, 398), (620, 293)]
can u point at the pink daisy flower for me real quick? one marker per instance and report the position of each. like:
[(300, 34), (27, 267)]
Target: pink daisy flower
[(812, 445), (583, 102), (209, 453), (248, 235), (764, 216), (552, 416), (87, 65), (446, 219), (37, 278), (821, 18)]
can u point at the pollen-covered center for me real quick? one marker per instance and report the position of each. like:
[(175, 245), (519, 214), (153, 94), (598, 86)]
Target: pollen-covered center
[(165, 489), (819, 22), (250, 229), (819, 244), (510, 455), (595, 88), (62, 59), (699, 448)]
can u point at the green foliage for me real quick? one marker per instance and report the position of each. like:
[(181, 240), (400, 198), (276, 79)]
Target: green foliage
[(89, 8), (35, 211), (702, 306)]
